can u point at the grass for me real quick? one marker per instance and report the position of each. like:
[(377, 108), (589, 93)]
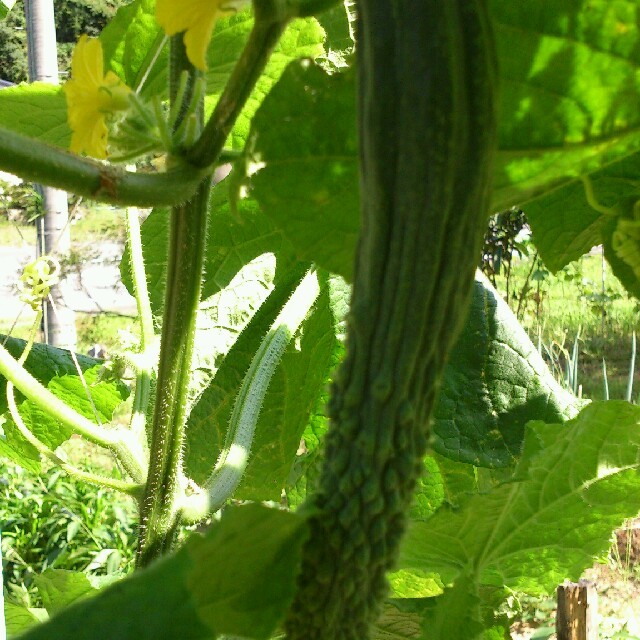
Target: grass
[(89, 221), (54, 521), (573, 304)]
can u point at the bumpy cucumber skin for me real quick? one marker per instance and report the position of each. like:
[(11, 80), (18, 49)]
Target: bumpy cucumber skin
[(427, 119)]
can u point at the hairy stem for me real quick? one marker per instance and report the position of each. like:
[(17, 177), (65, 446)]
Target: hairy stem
[(264, 36), (145, 360), (234, 458), (160, 515), (39, 162)]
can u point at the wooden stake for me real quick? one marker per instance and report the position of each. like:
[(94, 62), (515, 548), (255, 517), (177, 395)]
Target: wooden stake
[(576, 618)]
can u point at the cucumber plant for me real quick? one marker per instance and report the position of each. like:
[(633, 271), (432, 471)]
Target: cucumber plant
[(366, 438)]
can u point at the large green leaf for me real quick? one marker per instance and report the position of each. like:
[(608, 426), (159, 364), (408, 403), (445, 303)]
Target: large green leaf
[(566, 225), (495, 381), (38, 110), (19, 618), (570, 88), (301, 39), (59, 588), (290, 399), (55, 369), (575, 484), (308, 177), (237, 579)]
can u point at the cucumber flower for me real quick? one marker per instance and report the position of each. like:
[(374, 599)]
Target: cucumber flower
[(92, 96), (197, 18)]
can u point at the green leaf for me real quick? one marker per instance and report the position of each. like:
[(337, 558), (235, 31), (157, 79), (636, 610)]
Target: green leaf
[(306, 467), (575, 484), (130, 43), (55, 369), (19, 618), (429, 494), (456, 613), (302, 39), (38, 110), (237, 579), (494, 383), (337, 23), (307, 183), (59, 588), (569, 92), (290, 399), (570, 89), (256, 557), (399, 620), (566, 225), (415, 584), (5, 7)]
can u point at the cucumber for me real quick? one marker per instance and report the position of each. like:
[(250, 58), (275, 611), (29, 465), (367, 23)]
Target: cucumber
[(427, 123)]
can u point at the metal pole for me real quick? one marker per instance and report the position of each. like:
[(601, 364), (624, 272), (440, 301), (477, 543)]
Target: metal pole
[(53, 228)]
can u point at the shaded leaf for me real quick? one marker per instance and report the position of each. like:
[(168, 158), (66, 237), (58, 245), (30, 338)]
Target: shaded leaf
[(400, 620), (237, 579), (337, 23), (455, 614), (307, 183), (495, 381)]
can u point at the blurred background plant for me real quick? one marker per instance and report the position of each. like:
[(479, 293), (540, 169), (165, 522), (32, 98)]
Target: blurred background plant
[(578, 317), (55, 521)]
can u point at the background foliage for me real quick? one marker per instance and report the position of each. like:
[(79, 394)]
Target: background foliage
[(73, 18)]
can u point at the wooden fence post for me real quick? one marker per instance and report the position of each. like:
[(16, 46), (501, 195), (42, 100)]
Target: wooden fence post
[(576, 618)]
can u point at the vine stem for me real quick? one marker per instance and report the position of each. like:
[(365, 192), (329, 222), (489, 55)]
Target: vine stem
[(120, 442), (40, 162), (266, 31), (234, 458), (159, 516), (159, 513), (145, 360), (126, 487)]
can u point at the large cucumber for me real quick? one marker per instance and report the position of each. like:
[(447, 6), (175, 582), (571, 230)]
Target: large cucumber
[(427, 122)]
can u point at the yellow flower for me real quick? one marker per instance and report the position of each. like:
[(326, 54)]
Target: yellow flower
[(197, 18), (91, 96)]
